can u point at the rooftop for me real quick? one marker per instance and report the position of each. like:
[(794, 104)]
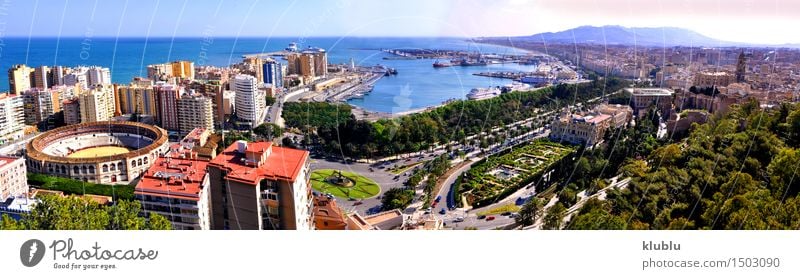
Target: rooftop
[(280, 164), (650, 91), (174, 177)]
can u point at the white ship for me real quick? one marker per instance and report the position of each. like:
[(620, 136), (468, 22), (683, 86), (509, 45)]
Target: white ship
[(483, 93)]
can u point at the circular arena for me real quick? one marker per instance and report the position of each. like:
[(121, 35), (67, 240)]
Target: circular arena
[(110, 152)]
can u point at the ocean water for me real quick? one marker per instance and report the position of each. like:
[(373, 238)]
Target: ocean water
[(417, 84)]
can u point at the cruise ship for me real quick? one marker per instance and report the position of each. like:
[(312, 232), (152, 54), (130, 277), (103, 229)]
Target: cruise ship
[(483, 93), (292, 47)]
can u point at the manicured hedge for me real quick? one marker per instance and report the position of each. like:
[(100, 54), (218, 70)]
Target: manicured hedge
[(70, 186)]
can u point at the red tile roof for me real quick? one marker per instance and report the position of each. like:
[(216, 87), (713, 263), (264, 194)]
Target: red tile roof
[(173, 177), (281, 164)]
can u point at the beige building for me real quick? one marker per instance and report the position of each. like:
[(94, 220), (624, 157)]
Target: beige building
[(137, 99), (175, 69), (716, 79), (20, 78), (620, 115), (195, 111), (72, 111), (97, 104), (644, 98), (587, 128), (13, 177)]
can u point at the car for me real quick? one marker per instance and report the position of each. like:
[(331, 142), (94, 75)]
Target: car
[(443, 211), (481, 217), (505, 213), (438, 199), (490, 218), (459, 219), (357, 203), (428, 210)]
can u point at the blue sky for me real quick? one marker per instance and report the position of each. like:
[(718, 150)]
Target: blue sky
[(768, 21)]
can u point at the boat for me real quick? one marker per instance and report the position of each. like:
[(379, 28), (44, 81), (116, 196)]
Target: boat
[(437, 64), (292, 47), (483, 93), (473, 63)]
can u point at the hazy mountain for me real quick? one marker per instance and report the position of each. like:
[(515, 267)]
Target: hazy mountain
[(648, 36)]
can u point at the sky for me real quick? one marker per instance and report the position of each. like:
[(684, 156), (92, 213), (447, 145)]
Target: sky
[(749, 21)]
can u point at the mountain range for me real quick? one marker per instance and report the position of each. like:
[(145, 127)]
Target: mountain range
[(619, 35)]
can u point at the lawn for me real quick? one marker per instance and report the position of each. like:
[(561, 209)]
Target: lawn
[(362, 188), (499, 210)]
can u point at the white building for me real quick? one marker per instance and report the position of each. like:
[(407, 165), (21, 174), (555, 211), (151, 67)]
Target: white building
[(98, 76), (250, 102), (12, 117)]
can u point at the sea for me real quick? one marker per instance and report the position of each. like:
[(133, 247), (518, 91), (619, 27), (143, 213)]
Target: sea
[(417, 84)]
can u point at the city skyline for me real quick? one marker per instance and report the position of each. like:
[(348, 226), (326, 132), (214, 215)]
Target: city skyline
[(766, 24)]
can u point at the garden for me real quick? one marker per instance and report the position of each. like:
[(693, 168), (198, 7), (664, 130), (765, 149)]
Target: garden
[(499, 175)]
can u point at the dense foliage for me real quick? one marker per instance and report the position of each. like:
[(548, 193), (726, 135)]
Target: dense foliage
[(397, 198), (338, 132), (70, 186), (54, 212), (734, 172), (313, 115)]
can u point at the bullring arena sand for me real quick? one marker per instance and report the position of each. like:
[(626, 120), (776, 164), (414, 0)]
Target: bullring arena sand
[(99, 151)]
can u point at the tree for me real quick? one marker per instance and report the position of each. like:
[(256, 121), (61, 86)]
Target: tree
[(158, 222), (530, 212), (8, 223), (54, 212), (554, 217), (397, 198)]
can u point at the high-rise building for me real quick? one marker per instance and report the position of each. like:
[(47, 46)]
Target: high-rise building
[(741, 67), (306, 67), (12, 117), (320, 61), (293, 64), (260, 186), (137, 99), (195, 111), (97, 104), (72, 111), (42, 77), (176, 186), (13, 177), (20, 78), (98, 76), (272, 73), (183, 69), (40, 105), (250, 102), (167, 96)]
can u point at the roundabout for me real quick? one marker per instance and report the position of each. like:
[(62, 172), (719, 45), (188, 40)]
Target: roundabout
[(344, 184)]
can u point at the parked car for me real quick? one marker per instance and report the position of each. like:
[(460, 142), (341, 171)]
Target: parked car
[(438, 199), (357, 203), (443, 211), (505, 213), (489, 218), (481, 217)]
